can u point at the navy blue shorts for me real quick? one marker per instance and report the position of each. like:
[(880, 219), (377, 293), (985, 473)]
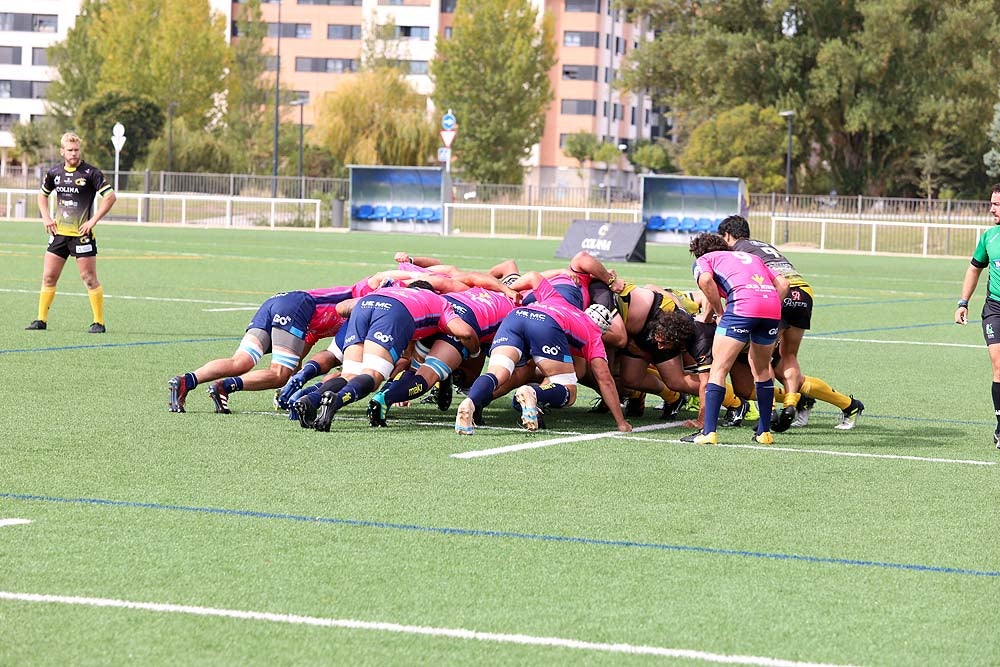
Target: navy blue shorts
[(288, 311), (759, 330), (536, 334), (382, 320)]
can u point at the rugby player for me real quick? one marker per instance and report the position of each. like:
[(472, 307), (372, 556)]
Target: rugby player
[(76, 184)]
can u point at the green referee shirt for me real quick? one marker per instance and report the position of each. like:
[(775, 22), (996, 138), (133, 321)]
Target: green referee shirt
[(988, 254)]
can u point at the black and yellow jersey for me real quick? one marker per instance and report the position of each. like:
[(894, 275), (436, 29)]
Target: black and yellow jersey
[(774, 260), (75, 191), (660, 302)]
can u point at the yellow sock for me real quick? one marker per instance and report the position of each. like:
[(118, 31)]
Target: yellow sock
[(730, 400), (97, 303), (669, 395), (824, 392), (779, 393), (45, 298), (790, 399)]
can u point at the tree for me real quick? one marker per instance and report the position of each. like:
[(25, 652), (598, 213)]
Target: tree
[(78, 62), (653, 156), (494, 74), (141, 116), (745, 142), (35, 141), (868, 79), (192, 151), (581, 146), (610, 155), (376, 118), (249, 99)]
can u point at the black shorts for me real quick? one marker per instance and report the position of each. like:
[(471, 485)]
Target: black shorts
[(991, 322), (797, 308), (77, 246)]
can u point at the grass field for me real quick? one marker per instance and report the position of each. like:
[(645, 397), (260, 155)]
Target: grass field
[(204, 539)]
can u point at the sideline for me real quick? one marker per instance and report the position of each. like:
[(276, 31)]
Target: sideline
[(381, 626)]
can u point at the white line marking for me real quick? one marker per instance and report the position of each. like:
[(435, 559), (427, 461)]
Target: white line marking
[(558, 441), (454, 633), (837, 339), (827, 452), (141, 298), (226, 310), (13, 522)]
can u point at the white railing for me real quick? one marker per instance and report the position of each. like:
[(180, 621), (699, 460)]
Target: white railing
[(190, 209), (532, 221), (874, 237)]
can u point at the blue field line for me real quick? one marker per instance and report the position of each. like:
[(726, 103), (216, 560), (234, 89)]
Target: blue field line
[(471, 532), (111, 345)]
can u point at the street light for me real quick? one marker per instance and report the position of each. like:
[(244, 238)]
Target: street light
[(277, 106), (789, 114), (301, 104)]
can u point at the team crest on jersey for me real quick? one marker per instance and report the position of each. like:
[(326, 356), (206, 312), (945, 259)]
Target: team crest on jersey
[(759, 279), (80, 182)]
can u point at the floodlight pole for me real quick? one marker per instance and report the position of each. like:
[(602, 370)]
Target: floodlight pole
[(301, 104), (277, 107), (789, 115)]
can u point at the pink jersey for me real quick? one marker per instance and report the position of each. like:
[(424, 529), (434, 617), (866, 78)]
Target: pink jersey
[(582, 334), (325, 321), (431, 312), (410, 266), (744, 281), (488, 307), (339, 293)]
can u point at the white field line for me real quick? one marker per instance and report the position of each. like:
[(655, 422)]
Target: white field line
[(838, 339), (13, 522), (826, 452), (453, 633), (227, 310), (142, 298), (558, 441)]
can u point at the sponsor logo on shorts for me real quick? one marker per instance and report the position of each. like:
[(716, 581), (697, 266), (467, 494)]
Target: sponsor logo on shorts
[(531, 315), (85, 248), (739, 330), (500, 339), (551, 350), (372, 303), (989, 331), (382, 337), (283, 320), (773, 332)]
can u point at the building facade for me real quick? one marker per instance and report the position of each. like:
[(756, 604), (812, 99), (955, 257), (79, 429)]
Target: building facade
[(320, 42)]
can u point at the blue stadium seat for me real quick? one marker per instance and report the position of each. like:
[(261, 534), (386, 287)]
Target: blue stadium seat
[(715, 225), (437, 215), (410, 213), (426, 214), (364, 212), (671, 223), (395, 213), (687, 225), (704, 225), (379, 213), (655, 223)]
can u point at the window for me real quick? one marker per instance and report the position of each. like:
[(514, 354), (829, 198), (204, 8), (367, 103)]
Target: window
[(633, 115), (45, 23), (337, 3), (333, 65), (293, 30), (271, 63), (28, 22), (416, 66), (38, 89), (447, 32), (415, 32), (448, 6), (578, 38), (39, 56), (578, 107), (10, 55), (337, 31), (583, 6), (8, 120), (24, 90), (301, 95), (579, 72)]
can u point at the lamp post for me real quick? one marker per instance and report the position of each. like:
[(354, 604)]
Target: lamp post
[(789, 115), (277, 106), (301, 104), (170, 136)]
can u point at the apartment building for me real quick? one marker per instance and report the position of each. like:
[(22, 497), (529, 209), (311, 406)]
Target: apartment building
[(320, 42), (27, 30)]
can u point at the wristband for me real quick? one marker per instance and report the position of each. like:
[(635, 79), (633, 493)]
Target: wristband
[(963, 303)]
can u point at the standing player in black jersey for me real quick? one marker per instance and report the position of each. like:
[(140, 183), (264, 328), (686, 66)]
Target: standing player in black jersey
[(796, 317), (76, 185)]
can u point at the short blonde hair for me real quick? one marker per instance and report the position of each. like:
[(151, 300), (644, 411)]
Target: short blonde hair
[(70, 138)]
